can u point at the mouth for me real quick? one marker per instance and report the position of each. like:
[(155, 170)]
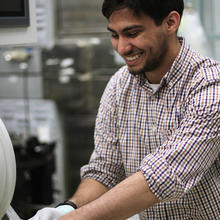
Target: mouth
[(133, 60)]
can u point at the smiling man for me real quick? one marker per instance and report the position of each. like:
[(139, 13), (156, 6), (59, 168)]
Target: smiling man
[(145, 46), (157, 133)]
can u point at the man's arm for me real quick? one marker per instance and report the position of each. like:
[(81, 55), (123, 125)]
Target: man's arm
[(124, 200), (88, 191)]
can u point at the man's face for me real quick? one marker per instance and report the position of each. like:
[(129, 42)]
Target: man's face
[(141, 43)]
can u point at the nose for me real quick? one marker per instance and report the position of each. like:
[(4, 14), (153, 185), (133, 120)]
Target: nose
[(123, 46)]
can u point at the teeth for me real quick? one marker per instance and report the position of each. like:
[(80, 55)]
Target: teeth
[(132, 58)]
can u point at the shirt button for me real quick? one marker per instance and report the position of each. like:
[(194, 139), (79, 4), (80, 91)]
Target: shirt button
[(154, 128)]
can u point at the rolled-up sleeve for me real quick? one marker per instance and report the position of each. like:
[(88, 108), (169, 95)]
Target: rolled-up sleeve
[(105, 164), (186, 156)]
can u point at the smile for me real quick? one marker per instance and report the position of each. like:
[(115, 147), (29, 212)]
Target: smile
[(133, 58)]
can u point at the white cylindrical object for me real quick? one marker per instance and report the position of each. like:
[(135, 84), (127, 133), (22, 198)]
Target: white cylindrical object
[(7, 170)]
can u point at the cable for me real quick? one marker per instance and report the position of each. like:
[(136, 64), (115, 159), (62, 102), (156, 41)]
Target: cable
[(7, 170)]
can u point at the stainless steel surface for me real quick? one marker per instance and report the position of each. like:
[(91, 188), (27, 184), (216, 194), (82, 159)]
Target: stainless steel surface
[(80, 17)]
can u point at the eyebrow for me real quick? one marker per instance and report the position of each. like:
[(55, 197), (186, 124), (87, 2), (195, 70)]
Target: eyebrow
[(126, 29)]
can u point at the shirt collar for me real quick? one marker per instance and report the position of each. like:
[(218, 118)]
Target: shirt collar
[(179, 65)]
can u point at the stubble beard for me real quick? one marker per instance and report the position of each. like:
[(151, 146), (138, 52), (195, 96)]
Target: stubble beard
[(155, 61)]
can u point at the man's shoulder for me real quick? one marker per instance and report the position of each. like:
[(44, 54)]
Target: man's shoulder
[(122, 76), (205, 68), (122, 71)]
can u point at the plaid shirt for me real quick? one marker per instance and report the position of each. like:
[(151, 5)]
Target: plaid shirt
[(171, 135)]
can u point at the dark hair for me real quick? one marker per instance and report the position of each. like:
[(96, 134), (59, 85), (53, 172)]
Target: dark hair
[(156, 9)]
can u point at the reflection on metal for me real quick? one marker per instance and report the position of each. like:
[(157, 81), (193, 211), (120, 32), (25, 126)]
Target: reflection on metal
[(80, 17)]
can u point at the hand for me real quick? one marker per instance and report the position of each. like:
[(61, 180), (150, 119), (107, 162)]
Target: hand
[(52, 213)]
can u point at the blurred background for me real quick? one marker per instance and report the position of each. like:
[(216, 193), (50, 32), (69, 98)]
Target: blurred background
[(50, 92)]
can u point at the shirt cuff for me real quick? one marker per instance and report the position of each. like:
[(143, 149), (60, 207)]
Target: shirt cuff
[(161, 178), (65, 209)]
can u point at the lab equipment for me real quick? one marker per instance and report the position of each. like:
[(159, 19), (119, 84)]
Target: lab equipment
[(7, 173)]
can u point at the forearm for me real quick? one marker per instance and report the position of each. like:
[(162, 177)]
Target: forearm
[(124, 200), (88, 191)]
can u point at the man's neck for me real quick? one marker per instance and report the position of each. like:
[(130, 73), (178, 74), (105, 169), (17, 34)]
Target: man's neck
[(156, 75)]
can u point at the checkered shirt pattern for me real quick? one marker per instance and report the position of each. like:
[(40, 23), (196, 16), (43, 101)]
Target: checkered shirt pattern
[(171, 135)]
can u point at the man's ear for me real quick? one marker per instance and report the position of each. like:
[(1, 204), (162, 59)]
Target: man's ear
[(172, 22)]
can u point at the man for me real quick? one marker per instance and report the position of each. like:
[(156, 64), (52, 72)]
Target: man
[(157, 132)]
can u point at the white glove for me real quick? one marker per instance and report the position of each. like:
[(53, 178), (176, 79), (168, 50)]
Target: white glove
[(52, 213)]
